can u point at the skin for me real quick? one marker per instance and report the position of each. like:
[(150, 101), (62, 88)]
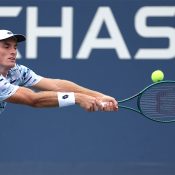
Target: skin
[(47, 97)]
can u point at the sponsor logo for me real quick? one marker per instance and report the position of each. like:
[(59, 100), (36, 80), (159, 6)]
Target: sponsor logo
[(65, 97), (103, 16)]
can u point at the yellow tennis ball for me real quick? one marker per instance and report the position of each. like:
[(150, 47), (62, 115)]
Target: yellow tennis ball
[(157, 75)]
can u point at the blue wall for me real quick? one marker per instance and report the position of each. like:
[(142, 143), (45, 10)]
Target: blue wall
[(70, 140)]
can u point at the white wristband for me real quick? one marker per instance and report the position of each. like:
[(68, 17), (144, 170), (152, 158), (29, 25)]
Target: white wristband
[(66, 98)]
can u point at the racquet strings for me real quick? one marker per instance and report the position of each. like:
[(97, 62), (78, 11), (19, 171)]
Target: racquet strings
[(158, 102)]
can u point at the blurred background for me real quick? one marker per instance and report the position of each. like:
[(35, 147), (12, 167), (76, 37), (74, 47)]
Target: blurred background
[(111, 46)]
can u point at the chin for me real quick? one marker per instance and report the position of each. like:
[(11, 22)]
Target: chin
[(11, 65)]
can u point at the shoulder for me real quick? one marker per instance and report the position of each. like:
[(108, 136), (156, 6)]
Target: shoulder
[(19, 70)]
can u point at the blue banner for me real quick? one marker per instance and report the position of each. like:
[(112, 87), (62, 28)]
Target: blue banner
[(110, 46)]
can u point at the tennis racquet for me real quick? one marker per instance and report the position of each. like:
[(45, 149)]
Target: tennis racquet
[(156, 102)]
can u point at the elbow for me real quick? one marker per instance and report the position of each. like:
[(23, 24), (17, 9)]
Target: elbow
[(26, 97)]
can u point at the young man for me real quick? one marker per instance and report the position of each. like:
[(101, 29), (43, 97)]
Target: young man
[(15, 80)]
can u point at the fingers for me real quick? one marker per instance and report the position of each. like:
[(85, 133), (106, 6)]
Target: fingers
[(114, 101), (105, 106), (111, 105), (92, 104), (100, 105), (93, 107), (115, 105)]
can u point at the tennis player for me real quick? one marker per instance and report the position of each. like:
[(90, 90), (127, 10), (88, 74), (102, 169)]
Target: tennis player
[(16, 81)]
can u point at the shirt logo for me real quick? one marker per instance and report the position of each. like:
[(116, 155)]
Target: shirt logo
[(65, 96), (9, 33)]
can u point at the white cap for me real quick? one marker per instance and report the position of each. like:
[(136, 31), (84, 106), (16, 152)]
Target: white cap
[(4, 34)]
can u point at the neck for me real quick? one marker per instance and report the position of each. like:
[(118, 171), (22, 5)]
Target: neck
[(4, 71)]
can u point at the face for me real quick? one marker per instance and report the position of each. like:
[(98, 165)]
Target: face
[(8, 52)]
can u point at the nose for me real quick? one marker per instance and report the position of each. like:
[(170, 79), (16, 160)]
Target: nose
[(13, 51)]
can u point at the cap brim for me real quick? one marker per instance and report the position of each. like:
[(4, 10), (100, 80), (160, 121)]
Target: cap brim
[(19, 37)]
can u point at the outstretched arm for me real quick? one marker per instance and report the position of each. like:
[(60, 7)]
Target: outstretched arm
[(49, 99), (67, 86), (64, 86)]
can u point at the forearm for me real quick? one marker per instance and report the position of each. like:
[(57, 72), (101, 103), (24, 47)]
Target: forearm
[(28, 97), (43, 99), (55, 99), (47, 84), (111, 103), (65, 85), (68, 86)]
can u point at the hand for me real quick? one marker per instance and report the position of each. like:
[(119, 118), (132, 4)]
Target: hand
[(107, 103), (87, 102)]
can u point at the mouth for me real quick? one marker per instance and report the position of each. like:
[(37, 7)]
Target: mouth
[(12, 59)]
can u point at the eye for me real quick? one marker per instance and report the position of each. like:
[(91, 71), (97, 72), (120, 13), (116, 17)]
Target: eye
[(6, 46)]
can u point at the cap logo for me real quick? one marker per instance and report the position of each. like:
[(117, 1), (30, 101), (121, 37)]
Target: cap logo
[(9, 33)]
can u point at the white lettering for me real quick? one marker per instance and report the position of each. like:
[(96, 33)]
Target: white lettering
[(65, 32), (155, 32), (103, 15), (10, 11)]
